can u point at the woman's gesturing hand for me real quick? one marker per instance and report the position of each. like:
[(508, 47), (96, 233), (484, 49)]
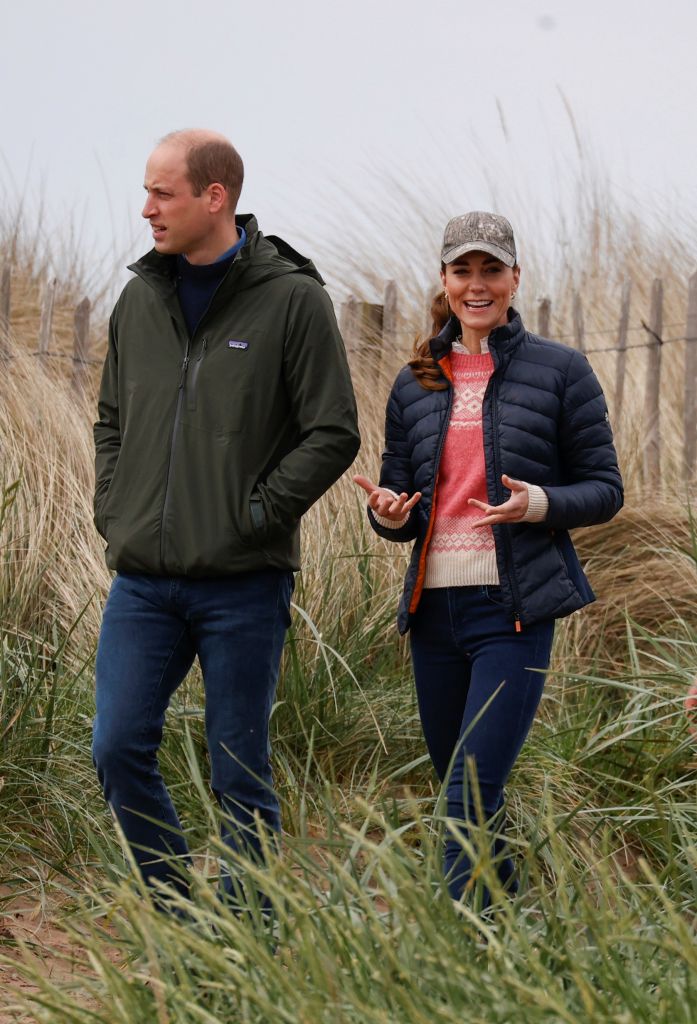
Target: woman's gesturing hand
[(511, 511), (386, 503)]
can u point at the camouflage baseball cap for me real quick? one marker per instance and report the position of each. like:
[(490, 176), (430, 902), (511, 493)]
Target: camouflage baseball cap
[(480, 232)]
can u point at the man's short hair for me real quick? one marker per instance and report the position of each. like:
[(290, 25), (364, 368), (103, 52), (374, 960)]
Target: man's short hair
[(209, 160)]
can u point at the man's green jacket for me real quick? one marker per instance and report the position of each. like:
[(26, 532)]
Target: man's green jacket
[(210, 448)]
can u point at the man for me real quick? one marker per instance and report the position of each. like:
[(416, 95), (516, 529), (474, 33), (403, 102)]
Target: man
[(226, 410)]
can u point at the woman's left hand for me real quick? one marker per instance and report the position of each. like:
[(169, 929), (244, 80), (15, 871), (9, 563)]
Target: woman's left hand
[(512, 511)]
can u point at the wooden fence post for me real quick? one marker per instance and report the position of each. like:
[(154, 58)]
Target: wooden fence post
[(652, 421), (348, 326), (621, 366), (691, 380), (5, 287), (544, 317), (579, 328), (81, 341), (370, 328), (47, 298), (390, 316), (361, 324)]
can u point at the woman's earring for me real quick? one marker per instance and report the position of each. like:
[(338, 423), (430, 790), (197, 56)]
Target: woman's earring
[(445, 296), (512, 296)]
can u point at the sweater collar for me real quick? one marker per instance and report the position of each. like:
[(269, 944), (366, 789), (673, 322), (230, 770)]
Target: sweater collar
[(502, 340), (161, 270)]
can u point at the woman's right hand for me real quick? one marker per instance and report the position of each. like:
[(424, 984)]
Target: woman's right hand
[(385, 503)]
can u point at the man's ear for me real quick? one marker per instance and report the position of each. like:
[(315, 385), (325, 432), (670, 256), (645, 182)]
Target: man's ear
[(217, 195)]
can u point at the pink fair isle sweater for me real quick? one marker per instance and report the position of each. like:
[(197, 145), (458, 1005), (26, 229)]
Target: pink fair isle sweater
[(460, 554)]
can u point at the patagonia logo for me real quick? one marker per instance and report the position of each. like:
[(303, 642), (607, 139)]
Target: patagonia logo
[(237, 344)]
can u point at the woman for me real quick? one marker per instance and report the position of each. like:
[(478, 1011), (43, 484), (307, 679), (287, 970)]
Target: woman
[(497, 443)]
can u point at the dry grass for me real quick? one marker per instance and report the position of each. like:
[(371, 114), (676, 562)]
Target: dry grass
[(52, 561), (605, 771)]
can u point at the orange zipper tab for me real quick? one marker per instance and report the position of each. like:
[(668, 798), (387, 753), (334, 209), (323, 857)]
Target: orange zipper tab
[(518, 627)]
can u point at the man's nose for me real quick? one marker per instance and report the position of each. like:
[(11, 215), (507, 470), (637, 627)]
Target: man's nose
[(149, 208)]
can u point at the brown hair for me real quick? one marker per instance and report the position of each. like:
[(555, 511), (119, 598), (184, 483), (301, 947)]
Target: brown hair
[(423, 365), (210, 158)]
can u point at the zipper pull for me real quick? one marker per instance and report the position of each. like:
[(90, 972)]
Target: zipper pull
[(185, 367), (518, 627)]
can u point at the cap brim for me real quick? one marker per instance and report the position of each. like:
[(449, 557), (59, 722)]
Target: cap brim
[(451, 255)]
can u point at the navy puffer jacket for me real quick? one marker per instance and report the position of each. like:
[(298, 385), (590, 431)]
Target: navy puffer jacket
[(544, 421)]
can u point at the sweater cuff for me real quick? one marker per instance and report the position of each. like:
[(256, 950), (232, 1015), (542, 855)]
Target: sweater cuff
[(391, 524), (538, 504)]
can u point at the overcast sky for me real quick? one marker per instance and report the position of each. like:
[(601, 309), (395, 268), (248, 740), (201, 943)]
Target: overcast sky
[(329, 103)]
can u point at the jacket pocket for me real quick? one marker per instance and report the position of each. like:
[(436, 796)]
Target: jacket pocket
[(257, 515), (194, 371), (494, 595), (101, 505)]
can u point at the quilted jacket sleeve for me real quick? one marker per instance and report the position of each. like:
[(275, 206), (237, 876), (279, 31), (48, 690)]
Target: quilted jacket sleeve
[(592, 491), (396, 471)]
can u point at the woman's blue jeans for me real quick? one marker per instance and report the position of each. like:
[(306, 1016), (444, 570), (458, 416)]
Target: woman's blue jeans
[(152, 629), (464, 647)]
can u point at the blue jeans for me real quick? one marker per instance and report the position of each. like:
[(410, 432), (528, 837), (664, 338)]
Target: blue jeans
[(463, 646), (152, 629)]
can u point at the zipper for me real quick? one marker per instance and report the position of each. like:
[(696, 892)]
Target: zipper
[(510, 571), (172, 447), (431, 518), (193, 378), (180, 397)]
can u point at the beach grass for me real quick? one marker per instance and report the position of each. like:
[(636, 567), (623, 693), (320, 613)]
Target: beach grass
[(602, 802)]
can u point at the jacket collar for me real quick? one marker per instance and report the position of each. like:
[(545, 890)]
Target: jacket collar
[(160, 270), (502, 340)]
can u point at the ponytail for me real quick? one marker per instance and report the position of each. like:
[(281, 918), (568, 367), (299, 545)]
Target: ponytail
[(423, 365)]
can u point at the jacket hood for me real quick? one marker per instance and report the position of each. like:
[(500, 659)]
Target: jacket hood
[(502, 340), (260, 259)]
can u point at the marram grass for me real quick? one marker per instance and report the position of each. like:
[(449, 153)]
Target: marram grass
[(602, 803), (361, 930), (602, 822)]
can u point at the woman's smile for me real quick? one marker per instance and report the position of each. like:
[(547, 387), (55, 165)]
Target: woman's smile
[(479, 289)]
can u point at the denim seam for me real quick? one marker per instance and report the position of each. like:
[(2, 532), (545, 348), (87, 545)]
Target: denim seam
[(148, 717), (528, 673), (277, 624), (521, 705), (453, 637)]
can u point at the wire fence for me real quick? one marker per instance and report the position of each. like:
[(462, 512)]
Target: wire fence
[(377, 326), (79, 357)]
